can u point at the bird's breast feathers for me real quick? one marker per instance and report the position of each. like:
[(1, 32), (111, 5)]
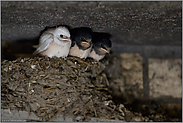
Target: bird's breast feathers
[(95, 56), (56, 50), (75, 51)]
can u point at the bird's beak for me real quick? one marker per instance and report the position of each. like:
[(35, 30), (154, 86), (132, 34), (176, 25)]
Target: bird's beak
[(88, 40), (66, 39), (105, 50), (85, 44), (69, 39)]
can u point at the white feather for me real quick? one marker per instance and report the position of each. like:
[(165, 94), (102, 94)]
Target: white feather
[(61, 43), (45, 40), (61, 30), (47, 47)]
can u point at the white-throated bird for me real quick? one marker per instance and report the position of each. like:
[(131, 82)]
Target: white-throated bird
[(54, 42), (81, 42), (101, 45)]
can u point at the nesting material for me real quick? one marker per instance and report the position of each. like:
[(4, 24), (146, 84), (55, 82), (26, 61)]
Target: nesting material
[(50, 87)]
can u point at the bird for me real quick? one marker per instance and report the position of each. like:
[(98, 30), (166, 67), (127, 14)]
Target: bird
[(54, 42), (101, 45), (81, 42)]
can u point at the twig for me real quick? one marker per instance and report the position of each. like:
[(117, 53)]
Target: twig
[(87, 102), (50, 105), (42, 114), (35, 113), (94, 108), (38, 65), (47, 66), (71, 79), (107, 82), (47, 76), (111, 117), (79, 60), (109, 108), (63, 106), (49, 88), (76, 112), (43, 108), (49, 115), (98, 89), (65, 84), (57, 111), (33, 81), (79, 72), (9, 110)]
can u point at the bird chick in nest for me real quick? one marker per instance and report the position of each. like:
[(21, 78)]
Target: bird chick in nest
[(54, 42)]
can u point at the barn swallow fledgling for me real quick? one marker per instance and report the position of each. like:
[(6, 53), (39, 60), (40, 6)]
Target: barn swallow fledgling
[(54, 42), (101, 46), (81, 42)]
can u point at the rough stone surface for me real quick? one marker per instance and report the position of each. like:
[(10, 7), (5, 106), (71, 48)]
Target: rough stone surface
[(165, 78), (156, 23), (132, 73)]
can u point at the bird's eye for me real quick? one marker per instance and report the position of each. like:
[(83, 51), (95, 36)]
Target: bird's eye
[(102, 45), (61, 36), (82, 39)]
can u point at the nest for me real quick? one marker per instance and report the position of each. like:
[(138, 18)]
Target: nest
[(49, 87)]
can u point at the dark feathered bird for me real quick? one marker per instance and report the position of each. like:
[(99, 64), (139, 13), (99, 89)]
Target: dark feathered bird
[(101, 45), (81, 42)]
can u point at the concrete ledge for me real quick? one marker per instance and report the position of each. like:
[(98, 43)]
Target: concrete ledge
[(150, 51), (150, 23)]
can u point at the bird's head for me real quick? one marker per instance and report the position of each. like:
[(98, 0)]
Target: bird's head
[(83, 37), (102, 46), (84, 41), (62, 35)]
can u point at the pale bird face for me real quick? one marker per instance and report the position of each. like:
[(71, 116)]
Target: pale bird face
[(62, 34)]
